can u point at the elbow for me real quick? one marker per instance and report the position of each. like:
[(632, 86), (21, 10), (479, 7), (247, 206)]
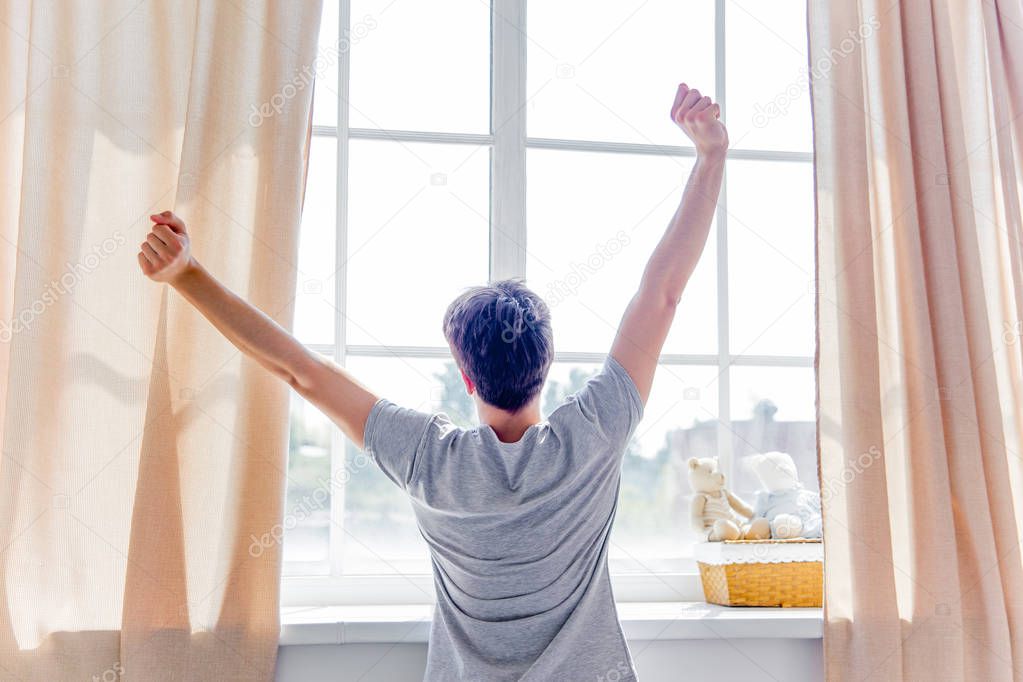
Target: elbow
[(660, 299), (294, 382), (303, 375), (287, 377), (305, 384)]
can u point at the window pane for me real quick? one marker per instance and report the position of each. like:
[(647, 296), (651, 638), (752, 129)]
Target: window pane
[(421, 65), (306, 523), (329, 51), (773, 409), (770, 257), (768, 103), (381, 536), (593, 221), (418, 234), (609, 71), (314, 293), (652, 531)]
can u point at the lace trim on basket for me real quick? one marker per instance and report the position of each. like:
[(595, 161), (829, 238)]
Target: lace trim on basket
[(758, 552)]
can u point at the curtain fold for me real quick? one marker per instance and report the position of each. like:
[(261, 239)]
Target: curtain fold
[(917, 128), (142, 455)]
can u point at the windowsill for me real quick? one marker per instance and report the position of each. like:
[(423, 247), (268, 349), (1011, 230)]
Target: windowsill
[(641, 621)]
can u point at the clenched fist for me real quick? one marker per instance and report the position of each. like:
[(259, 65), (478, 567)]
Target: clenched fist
[(698, 117), (166, 253)]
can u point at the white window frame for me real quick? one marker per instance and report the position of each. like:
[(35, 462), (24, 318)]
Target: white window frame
[(508, 236)]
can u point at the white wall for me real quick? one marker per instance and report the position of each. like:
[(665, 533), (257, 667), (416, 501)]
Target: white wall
[(718, 660)]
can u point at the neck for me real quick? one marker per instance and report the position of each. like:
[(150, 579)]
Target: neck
[(509, 426)]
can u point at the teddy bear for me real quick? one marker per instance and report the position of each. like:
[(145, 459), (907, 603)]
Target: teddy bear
[(717, 514), (791, 510)]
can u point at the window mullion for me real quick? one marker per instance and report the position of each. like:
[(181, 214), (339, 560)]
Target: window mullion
[(337, 439), (508, 127), (724, 427)]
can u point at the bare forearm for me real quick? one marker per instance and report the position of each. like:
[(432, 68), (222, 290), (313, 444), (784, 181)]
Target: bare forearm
[(675, 258), (249, 329)]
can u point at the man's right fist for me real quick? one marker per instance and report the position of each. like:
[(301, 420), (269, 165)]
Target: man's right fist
[(166, 253), (698, 117)]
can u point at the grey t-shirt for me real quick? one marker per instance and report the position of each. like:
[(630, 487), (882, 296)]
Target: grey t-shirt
[(518, 533)]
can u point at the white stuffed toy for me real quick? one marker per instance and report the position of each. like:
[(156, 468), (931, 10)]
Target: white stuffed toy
[(792, 510)]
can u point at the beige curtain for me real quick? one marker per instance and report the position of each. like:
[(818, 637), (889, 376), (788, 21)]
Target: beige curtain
[(919, 147), (142, 456)]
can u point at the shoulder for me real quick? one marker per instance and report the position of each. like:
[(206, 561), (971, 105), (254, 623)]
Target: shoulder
[(608, 402), (399, 438)]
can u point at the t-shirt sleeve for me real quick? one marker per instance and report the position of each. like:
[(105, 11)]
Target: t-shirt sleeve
[(611, 402), (394, 437)]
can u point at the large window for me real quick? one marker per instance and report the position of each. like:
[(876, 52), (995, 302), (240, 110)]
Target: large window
[(461, 141)]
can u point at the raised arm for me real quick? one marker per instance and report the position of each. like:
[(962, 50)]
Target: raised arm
[(166, 256), (648, 316)]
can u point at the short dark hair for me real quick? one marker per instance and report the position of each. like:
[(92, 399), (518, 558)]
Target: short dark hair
[(501, 337)]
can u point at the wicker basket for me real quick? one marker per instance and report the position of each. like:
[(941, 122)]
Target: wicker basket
[(762, 572)]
